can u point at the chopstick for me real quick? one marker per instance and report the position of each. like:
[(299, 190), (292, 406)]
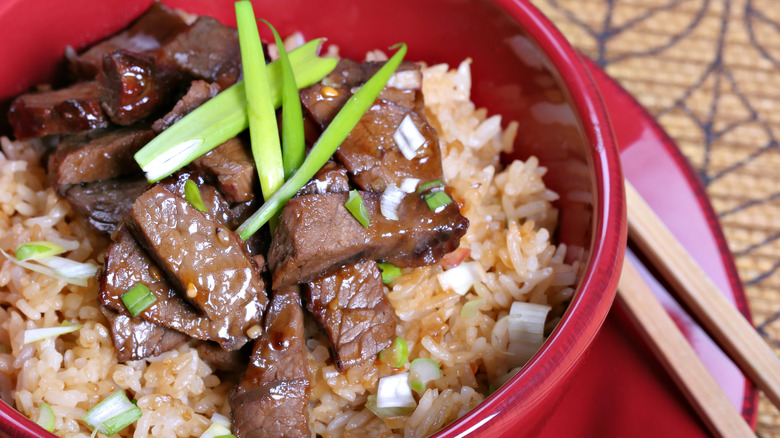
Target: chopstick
[(726, 325), (678, 357)]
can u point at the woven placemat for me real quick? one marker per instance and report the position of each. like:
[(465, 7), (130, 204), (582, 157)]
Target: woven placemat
[(709, 71)]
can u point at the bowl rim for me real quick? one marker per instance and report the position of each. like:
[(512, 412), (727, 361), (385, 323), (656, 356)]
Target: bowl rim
[(569, 341)]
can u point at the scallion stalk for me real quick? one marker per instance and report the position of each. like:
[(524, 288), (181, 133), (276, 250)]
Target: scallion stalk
[(112, 414), (263, 130), (389, 272), (431, 184), (396, 354), (224, 116), (138, 298), (293, 141), (355, 206), (192, 195), (437, 200), (37, 249), (35, 335), (327, 144)]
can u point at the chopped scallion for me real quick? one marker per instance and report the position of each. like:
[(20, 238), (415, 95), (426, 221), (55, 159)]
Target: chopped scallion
[(329, 141), (35, 335), (396, 354), (461, 278), (355, 206), (437, 200), (45, 417), (389, 272), (192, 195), (138, 299), (45, 270), (390, 200), (430, 185), (263, 130), (409, 185), (224, 116), (386, 412), (112, 414), (421, 371), (394, 392), (37, 249), (471, 309), (216, 430), (408, 138), (293, 141)]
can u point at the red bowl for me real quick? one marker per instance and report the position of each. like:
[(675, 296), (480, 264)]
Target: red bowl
[(522, 68)]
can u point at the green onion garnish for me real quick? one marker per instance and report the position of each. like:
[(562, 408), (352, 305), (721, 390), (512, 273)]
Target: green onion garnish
[(396, 354), (293, 141), (389, 272), (37, 249), (216, 430), (355, 206), (192, 195), (138, 298), (263, 130), (471, 309), (386, 412), (112, 414), (224, 116), (35, 335), (429, 185), (328, 142), (437, 200), (421, 371), (45, 417)]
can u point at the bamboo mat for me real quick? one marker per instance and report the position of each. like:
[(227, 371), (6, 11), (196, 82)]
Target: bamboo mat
[(709, 71)]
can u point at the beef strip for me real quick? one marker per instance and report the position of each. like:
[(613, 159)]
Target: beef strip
[(317, 234), (233, 168), (156, 26), (134, 338), (221, 360), (217, 208), (199, 92), (331, 178), (72, 109), (206, 50), (352, 308), (104, 203), (372, 156), (97, 155), (134, 87), (271, 399), (323, 103), (207, 264), (127, 264)]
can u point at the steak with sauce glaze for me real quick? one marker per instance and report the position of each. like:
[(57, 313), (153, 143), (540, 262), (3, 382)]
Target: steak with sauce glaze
[(104, 203), (199, 92), (352, 308), (134, 338), (317, 235), (271, 399), (233, 168)]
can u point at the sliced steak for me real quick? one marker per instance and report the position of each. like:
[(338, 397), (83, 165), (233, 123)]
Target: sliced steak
[(206, 50), (156, 26), (331, 178), (207, 264), (271, 399), (222, 360), (199, 92), (133, 86), (97, 155), (217, 208), (134, 338), (72, 109), (317, 235), (322, 103), (127, 264), (352, 308), (233, 168), (371, 155), (104, 203)]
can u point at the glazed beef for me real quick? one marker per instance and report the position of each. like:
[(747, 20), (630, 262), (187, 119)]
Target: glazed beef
[(271, 399), (133, 86), (322, 103), (104, 203), (352, 308), (372, 156), (233, 168), (127, 264), (72, 109), (199, 92), (156, 26), (206, 50), (219, 359), (134, 338), (317, 235), (207, 263), (331, 178), (97, 155), (217, 208)]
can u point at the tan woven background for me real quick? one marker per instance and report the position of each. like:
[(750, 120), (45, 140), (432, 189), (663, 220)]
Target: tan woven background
[(709, 70)]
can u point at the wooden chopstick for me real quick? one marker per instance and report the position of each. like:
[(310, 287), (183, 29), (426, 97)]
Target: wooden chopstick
[(726, 325), (678, 357)]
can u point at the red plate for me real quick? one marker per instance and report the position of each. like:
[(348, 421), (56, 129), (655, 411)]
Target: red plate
[(621, 389)]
